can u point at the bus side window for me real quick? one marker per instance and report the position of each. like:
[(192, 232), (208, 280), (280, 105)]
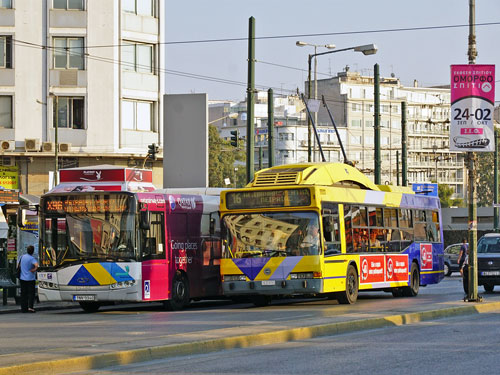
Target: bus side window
[(348, 229), (331, 234), (153, 239)]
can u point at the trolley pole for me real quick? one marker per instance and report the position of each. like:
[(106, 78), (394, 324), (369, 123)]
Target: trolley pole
[(472, 295), (250, 99)]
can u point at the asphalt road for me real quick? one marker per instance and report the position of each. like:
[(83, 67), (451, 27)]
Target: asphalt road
[(465, 345), (52, 335)]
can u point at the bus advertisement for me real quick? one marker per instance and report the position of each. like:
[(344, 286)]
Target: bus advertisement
[(325, 229), (99, 246)]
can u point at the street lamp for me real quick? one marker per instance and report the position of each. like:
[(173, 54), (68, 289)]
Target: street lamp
[(303, 44), (366, 49)]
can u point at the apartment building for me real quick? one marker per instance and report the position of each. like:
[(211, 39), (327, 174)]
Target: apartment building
[(350, 98), (80, 77)]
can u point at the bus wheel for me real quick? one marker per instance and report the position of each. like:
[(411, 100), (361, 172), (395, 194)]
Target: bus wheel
[(261, 301), (90, 307), (180, 293), (350, 295), (412, 289)]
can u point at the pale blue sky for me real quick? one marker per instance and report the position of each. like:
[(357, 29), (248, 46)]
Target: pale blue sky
[(424, 55)]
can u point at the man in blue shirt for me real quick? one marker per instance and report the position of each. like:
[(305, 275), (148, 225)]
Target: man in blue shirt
[(28, 265)]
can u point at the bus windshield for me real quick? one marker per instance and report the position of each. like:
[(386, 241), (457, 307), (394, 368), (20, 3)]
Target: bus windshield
[(271, 234), (71, 234)]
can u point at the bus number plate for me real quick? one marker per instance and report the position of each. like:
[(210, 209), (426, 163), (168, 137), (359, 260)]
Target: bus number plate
[(268, 282), (84, 298)]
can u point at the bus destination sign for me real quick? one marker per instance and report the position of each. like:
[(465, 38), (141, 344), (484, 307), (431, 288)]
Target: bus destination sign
[(86, 204), (268, 198)]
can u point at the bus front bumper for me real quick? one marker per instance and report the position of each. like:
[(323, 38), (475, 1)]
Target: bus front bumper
[(272, 287), (90, 295)]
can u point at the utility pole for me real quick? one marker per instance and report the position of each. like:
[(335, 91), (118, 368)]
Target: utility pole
[(377, 124), (404, 139), (270, 128), (250, 99), (309, 123), (472, 295), (495, 187), (397, 167)]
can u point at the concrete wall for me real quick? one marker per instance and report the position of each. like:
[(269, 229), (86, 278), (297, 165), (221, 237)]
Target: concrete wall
[(185, 153)]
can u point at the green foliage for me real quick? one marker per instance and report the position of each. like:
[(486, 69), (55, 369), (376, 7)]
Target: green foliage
[(445, 192), (485, 178), (222, 161)]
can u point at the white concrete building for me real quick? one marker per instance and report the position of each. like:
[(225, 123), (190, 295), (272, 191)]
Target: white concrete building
[(90, 66), (351, 101)]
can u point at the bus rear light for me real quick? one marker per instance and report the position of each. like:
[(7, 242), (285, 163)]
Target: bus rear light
[(48, 285), (317, 274), (122, 284)]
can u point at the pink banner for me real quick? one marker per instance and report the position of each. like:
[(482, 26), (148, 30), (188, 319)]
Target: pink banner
[(473, 81)]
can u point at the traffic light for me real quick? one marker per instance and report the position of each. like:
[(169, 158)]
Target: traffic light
[(152, 151), (234, 138)]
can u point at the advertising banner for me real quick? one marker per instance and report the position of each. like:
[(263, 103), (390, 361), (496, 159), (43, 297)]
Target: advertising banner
[(472, 104), (9, 177)]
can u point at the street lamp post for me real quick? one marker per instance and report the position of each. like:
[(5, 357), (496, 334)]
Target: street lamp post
[(367, 49), (303, 44)]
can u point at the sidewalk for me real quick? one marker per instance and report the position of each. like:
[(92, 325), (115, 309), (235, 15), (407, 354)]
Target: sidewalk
[(12, 308)]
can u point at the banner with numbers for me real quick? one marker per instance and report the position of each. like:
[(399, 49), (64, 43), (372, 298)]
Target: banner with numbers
[(472, 105)]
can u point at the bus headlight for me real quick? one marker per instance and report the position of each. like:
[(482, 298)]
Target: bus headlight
[(48, 285), (301, 275), (123, 284), (228, 278)]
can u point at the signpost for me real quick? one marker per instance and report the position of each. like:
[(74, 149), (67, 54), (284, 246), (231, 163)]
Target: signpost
[(472, 105)]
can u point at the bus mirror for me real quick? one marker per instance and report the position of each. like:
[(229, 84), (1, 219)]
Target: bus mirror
[(144, 220), (328, 224), (212, 226), (21, 217)]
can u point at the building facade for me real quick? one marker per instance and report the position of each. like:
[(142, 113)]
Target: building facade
[(350, 98), (83, 78)]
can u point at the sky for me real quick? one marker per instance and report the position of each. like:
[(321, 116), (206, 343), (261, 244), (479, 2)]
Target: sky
[(195, 63)]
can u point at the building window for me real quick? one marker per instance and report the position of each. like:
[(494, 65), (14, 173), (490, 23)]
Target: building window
[(356, 107), (7, 4), (5, 111), (5, 51), (139, 7), (137, 57), (69, 112), (137, 115), (286, 136), (68, 4), (68, 53)]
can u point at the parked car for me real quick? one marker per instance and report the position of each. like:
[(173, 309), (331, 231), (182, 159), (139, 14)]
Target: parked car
[(488, 261), (451, 258)]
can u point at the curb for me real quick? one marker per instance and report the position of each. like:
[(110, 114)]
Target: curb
[(207, 346)]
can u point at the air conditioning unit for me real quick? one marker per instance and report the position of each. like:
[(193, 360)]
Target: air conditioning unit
[(64, 147), (8, 145), (32, 144), (48, 146)]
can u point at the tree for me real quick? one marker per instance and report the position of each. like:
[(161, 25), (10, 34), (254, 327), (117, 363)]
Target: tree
[(445, 192), (485, 185), (221, 161)]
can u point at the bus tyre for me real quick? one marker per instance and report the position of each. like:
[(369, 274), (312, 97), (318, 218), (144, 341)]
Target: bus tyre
[(261, 301), (350, 295), (90, 307), (412, 289), (180, 293)]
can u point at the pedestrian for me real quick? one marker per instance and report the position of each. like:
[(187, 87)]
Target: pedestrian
[(28, 266), (464, 249), (464, 270)]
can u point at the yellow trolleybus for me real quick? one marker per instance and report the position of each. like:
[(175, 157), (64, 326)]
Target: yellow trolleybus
[(327, 229)]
